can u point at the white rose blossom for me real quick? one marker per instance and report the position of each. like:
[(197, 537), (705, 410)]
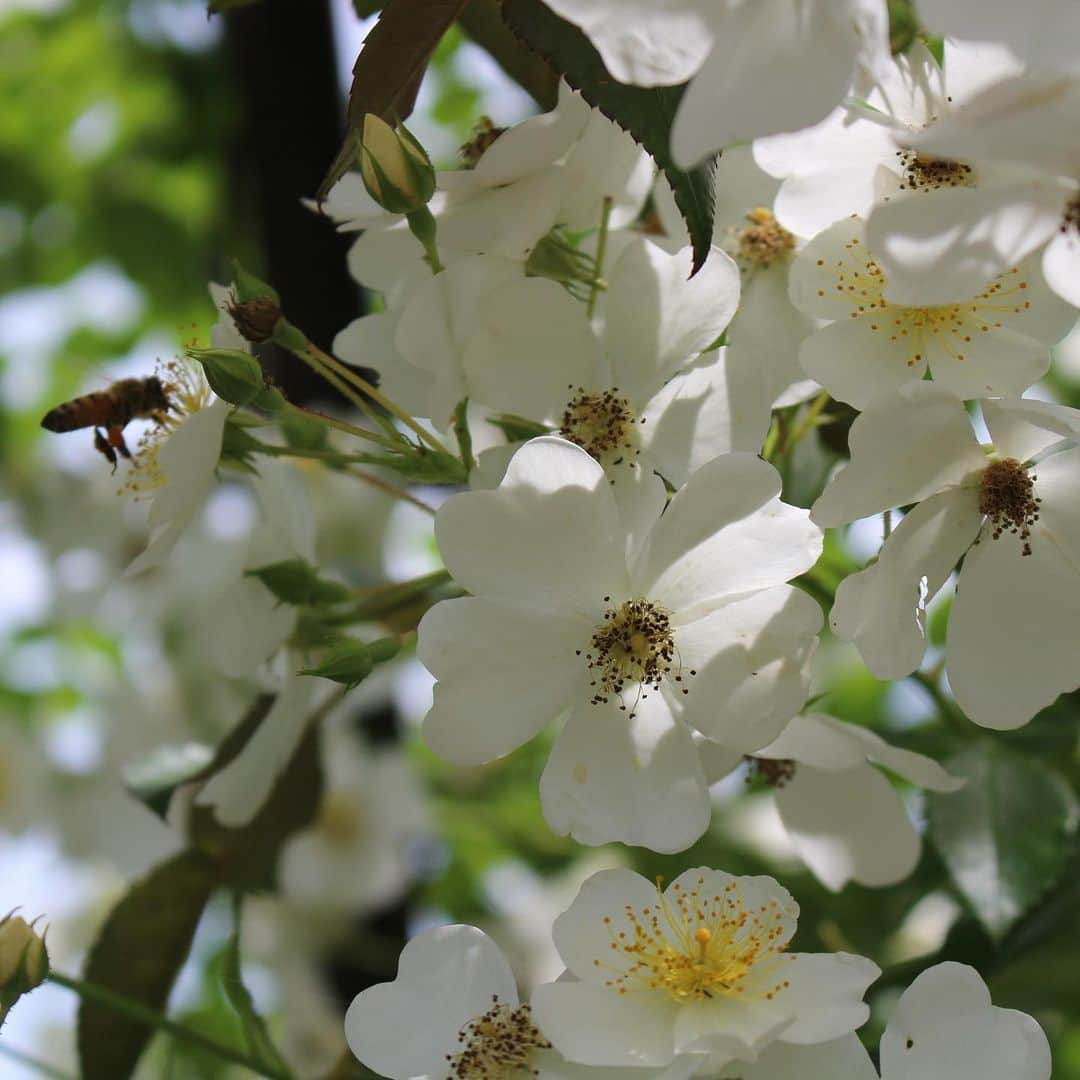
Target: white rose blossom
[(820, 768), (863, 152), (1014, 523), (943, 1027), (955, 240), (697, 968), (453, 1011), (635, 626), (755, 65), (993, 344)]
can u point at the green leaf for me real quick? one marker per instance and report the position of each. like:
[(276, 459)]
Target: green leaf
[(153, 780), (388, 71), (646, 113), (140, 950), (347, 662), (1005, 835), (259, 1044), (294, 581)]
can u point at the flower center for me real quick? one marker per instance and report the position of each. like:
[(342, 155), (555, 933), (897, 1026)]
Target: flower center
[(634, 645), (695, 946), (1070, 219), (602, 424), (340, 821), (1007, 498), (497, 1045), (776, 772), (188, 392), (764, 240), (922, 172), (860, 284)]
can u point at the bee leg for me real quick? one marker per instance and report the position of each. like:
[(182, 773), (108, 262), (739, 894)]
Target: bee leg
[(116, 440), (101, 444)]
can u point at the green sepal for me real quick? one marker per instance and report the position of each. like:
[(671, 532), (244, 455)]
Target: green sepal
[(248, 287), (234, 375), (293, 581)]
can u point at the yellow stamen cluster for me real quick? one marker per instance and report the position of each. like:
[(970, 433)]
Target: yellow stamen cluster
[(497, 1045), (694, 945), (860, 283), (188, 393), (484, 134), (922, 172), (634, 645), (1007, 498), (602, 424), (340, 821), (764, 240)]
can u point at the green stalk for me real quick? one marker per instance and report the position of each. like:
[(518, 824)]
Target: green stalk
[(135, 1010), (598, 282)]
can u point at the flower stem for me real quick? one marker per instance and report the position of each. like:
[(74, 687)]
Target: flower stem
[(598, 282), (342, 425), (135, 1010), (375, 394), (809, 418)]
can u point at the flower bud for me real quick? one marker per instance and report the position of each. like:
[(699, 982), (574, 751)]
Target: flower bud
[(255, 319), (235, 376), (24, 961), (395, 168)]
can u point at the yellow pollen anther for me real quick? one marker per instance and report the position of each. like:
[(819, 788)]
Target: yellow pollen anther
[(764, 240), (694, 944), (497, 1045), (922, 172), (1007, 498)]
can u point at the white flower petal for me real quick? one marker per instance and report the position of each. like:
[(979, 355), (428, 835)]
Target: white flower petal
[(706, 410), (726, 534), (1018, 614), (751, 660), (639, 44), (238, 792), (729, 1027), (876, 846), (904, 447), (825, 993), (944, 1026), (760, 47), (503, 674), (840, 1059), (656, 317), (512, 543), (948, 245), (634, 779), (1021, 428), (529, 348), (446, 976), (1061, 265), (244, 626), (915, 768), (595, 1026), (812, 740), (882, 609)]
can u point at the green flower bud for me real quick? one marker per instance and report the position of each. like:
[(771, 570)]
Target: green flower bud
[(24, 961), (235, 376), (293, 581), (248, 287), (395, 168)]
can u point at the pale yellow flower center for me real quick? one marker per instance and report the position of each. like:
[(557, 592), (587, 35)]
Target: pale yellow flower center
[(633, 646), (340, 821), (956, 327), (764, 240), (601, 423), (498, 1045), (695, 945)]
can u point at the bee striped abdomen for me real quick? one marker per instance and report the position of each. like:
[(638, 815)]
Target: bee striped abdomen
[(90, 410)]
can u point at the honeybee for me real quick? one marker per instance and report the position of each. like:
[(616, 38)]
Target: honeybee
[(111, 409)]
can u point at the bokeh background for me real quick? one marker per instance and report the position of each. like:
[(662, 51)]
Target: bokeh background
[(142, 145)]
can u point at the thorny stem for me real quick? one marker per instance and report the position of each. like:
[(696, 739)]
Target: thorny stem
[(601, 251), (135, 1010)]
